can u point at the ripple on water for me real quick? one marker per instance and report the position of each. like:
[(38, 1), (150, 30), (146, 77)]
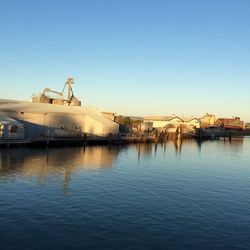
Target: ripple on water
[(127, 197)]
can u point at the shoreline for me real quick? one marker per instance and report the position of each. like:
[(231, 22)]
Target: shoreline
[(65, 142)]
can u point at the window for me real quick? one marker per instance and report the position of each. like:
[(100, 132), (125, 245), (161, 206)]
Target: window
[(14, 128)]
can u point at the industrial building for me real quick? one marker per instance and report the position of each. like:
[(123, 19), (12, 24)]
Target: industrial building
[(50, 118), (10, 129), (34, 121)]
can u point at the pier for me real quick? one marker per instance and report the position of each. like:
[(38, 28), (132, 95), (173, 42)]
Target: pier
[(127, 138)]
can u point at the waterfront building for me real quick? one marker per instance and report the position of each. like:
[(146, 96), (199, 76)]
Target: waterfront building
[(41, 120), (230, 123), (165, 121), (146, 126), (109, 115), (162, 121), (191, 122), (208, 120), (10, 129), (50, 117), (247, 125)]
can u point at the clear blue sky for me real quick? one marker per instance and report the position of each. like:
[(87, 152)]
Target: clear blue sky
[(136, 57)]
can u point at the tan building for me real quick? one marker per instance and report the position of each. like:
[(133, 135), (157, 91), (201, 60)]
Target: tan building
[(247, 125), (109, 115), (164, 121), (46, 120), (191, 122), (208, 120)]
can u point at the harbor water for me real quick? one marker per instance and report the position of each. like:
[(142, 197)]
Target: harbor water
[(178, 195)]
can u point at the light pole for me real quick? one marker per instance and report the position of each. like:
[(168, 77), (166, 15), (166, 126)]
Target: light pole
[(44, 125)]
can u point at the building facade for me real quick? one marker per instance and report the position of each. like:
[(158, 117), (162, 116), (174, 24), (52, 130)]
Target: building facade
[(165, 121), (41, 120), (230, 123)]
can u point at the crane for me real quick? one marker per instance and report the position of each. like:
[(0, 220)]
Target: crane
[(69, 82), (48, 90), (70, 100)]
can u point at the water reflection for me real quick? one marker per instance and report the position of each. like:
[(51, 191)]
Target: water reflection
[(43, 163), (177, 145), (51, 161), (233, 146)]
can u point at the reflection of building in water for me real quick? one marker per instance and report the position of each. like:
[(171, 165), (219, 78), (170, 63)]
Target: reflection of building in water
[(177, 146), (59, 162), (234, 147), (146, 150)]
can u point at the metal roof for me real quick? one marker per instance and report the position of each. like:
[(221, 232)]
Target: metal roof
[(169, 118), (160, 118), (8, 120), (7, 106)]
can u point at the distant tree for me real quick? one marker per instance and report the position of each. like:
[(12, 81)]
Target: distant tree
[(122, 120), (127, 121)]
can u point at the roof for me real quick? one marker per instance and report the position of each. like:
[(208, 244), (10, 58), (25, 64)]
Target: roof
[(43, 108), (227, 119), (160, 118), (8, 120), (169, 118), (108, 113), (188, 119)]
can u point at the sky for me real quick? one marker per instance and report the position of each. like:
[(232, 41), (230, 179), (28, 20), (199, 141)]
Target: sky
[(132, 57)]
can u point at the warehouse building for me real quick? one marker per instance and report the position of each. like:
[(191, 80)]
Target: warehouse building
[(165, 121), (41, 120)]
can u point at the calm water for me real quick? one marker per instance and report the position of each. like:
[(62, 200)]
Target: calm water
[(173, 196)]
